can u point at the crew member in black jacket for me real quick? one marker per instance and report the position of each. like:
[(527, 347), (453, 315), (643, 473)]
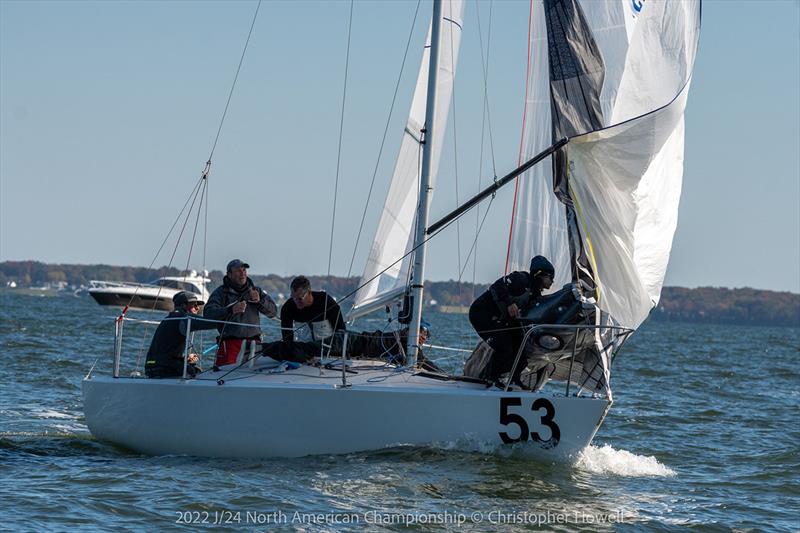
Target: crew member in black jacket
[(315, 316), (165, 356), (494, 313)]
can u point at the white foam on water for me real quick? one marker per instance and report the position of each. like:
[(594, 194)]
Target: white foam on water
[(49, 413), (607, 460)]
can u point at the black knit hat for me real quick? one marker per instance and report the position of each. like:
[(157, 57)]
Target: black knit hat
[(540, 265)]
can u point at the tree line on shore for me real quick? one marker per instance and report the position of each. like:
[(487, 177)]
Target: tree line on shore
[(703, 304)]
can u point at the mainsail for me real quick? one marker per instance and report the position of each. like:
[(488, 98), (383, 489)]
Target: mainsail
[(613, 77), (385, 275)]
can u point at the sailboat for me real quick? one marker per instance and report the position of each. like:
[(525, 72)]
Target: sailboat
[(597, 193)]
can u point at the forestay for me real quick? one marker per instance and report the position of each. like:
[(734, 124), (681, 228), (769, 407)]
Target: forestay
[(395, 233)]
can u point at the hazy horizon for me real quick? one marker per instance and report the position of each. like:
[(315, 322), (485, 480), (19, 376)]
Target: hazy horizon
[(108, 111), (251, 272)]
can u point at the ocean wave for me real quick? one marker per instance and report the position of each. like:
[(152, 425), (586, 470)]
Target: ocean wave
[(608, 460)]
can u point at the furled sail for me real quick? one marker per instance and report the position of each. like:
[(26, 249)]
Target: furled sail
[(385, 277), (612, 76)]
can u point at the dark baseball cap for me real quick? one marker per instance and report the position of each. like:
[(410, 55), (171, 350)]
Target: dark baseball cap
[(186, 297), (236, 263)]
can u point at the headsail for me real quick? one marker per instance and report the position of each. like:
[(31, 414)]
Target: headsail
[(395, 233), (613, 76)]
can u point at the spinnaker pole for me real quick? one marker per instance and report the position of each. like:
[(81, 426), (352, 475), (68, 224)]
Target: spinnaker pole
[(491, 189), (425, 189)]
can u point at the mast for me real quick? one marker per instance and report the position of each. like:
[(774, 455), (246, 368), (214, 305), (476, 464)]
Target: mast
[(425, 189)]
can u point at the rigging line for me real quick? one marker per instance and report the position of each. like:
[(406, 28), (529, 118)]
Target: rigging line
[(195, 192), (204, 289), (192, 194), (196, 224), (205, 228), (446, 348), (522, 134), (485, 68), (455, 160), (233, 85), (480, 155), (341, 129), (474, 247), (485, 117), (383, 139), (475, 242), (437, 227), (193, 198), (498, 184), (183, 228), (455, 149), (430, 236)]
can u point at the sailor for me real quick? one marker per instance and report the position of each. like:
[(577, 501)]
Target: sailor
[(311, 315), (165, 356), (237, 302), (494, 313)]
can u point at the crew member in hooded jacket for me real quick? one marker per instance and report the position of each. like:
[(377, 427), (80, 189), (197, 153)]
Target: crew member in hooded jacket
[(237, 302), (165, 356), (494, 313)]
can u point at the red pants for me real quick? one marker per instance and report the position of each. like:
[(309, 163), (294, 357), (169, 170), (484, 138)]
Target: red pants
[(228, 350)]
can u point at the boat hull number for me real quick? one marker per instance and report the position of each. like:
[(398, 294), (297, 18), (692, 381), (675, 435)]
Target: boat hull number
[(522, 429)]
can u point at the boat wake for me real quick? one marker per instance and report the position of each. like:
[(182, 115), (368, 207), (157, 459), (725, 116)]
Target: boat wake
[(607, 460)]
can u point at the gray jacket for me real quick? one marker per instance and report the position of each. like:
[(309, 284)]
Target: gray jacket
[(247, 324)]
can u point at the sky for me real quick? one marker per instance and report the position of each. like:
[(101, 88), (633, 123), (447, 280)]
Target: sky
[(109, 111)]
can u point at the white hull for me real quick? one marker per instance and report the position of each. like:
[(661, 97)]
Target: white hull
[(135, 298), (300, 412), (148, 296)]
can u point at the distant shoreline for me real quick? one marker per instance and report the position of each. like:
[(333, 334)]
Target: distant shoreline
[(743, 306)]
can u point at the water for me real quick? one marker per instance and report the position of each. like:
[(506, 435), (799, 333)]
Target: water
[(702, 435)]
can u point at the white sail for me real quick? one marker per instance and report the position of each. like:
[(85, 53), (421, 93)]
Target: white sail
[(384, 276), (539, 223), (627, 179), (626, 188)]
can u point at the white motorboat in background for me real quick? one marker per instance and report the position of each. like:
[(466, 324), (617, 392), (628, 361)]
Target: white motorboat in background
[(153, 296)]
